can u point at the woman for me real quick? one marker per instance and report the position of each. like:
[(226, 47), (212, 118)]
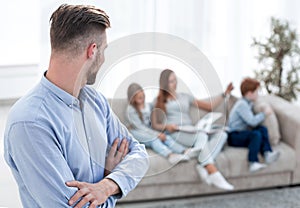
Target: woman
[(175, 107)]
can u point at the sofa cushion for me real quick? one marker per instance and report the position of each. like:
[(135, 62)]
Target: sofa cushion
[(232, 162), (271, 122), (162, 172)]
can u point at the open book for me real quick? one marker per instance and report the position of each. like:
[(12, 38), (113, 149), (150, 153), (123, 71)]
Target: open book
[(205, 124)]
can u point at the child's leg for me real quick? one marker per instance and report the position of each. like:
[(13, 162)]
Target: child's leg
[(159, 147), (250, 139), (266, 150), (154, 143), (265, 139), (174, 146)]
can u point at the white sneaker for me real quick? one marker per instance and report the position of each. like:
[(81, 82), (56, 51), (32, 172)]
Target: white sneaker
[(255, 166), (219, 181), (192, 152), (203, 174), (176, 158), (271, 157)]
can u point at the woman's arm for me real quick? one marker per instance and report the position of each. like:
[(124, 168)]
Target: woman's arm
[(160, 126), (209, 106)]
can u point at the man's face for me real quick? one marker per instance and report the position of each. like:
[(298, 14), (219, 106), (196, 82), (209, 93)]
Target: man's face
[(99, 60)]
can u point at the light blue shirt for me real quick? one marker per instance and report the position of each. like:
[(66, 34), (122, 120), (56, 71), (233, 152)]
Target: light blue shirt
[(178, 110), (141, 127), (52, 137), (242, 118)]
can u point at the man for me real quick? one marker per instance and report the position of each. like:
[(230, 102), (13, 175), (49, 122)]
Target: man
[(62, 135)]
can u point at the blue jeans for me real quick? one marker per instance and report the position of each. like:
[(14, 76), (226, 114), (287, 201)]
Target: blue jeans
[(164, 148), (257, 140)]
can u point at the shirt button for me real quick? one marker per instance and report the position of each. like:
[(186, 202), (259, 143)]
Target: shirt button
[(89, 138), (70, 105)]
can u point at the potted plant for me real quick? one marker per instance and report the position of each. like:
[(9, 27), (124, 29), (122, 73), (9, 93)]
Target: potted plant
[(279, 59)]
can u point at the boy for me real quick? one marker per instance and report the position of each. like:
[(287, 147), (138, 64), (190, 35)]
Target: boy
[(245, 129)]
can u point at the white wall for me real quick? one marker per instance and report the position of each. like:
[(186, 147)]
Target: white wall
[(20, 47), (222, 30)]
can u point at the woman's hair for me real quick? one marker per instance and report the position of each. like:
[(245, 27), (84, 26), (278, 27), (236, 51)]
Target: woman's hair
[(249, 84), (163, 89), (74, 27), (132, 90)]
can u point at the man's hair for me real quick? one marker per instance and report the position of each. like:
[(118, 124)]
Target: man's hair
[(74, 27), (249, 84)]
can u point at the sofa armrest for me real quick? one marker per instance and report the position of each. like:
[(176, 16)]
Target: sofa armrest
[(289, 124), (288, 118)]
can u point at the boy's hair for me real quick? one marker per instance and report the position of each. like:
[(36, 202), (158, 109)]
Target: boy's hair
[(249, 84), (74, 27)]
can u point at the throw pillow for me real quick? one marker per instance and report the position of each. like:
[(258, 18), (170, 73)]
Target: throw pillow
[(271, 122)]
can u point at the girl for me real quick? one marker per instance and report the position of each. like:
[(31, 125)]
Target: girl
[(138, 115)]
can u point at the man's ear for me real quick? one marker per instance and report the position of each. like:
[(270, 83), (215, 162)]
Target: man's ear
[(91, 50)]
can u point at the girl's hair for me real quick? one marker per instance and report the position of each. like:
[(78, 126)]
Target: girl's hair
[(163, 89), (249, 84), (132, 90)]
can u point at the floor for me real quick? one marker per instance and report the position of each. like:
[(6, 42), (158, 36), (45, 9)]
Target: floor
[(288, 197)]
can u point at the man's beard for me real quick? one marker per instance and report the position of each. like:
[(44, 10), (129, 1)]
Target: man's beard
[(91, 78)]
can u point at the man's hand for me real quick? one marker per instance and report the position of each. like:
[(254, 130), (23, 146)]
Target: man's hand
[(116, 155), (96, 193)]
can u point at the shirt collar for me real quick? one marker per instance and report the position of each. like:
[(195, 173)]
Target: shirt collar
[(67, 98), (248, 101), (82, 94)]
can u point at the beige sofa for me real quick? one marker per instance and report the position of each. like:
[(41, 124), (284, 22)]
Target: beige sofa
[(164, 181)]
